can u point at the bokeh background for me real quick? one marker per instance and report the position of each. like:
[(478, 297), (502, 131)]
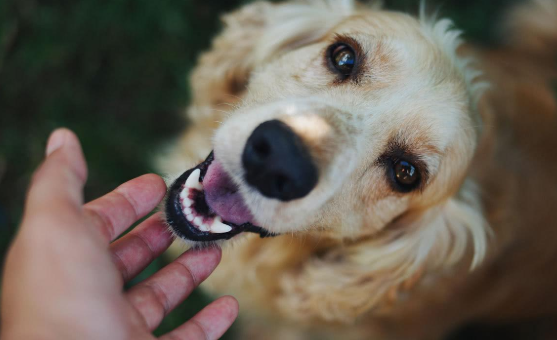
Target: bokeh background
[(116, 72)]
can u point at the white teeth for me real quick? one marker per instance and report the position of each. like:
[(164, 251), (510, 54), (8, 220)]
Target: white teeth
[(193, 180), (219, 228), (198, 221)]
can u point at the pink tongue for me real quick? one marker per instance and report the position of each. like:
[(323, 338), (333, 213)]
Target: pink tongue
[(222, 196)]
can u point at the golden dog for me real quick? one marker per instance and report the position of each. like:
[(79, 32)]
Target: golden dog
[(376, 177)]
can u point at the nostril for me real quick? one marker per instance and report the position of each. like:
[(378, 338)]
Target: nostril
[(280, 183), (262, 148)]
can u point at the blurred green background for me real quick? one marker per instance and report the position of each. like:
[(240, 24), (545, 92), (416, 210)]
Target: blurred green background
[(116, 72)]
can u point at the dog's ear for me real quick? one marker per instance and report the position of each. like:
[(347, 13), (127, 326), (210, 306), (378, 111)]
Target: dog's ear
[(350, 280), (251, 36)]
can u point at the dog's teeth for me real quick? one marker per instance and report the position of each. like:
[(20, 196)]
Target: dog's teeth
[(188, 211), (198, 221), (189, 218), (188, 202), (219, 228), (204, 227), (184, 194), (193, 180)]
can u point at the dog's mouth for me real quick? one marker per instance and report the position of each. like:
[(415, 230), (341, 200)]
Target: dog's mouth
[(204, 204)]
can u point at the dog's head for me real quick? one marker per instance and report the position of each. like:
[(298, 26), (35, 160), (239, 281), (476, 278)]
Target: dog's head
[(355, 121)]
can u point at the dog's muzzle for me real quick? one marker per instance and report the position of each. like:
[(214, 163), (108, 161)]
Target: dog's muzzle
[(204, 203)]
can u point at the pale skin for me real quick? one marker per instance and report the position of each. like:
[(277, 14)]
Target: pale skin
[(64, 274)]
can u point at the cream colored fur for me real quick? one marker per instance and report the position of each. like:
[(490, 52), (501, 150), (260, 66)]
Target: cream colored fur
[(354, 257)]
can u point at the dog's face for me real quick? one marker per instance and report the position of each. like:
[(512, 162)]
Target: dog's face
[(342, 136)]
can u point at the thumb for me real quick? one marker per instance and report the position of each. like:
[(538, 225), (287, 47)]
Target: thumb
[(58, 183)]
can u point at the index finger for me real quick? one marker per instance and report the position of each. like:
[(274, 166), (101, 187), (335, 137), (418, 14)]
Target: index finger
[(113, 213)]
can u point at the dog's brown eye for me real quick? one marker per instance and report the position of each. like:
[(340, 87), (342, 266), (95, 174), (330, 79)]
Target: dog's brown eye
[(343, 59), (406, 175)]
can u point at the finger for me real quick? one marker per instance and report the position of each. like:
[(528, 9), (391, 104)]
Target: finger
[(211, 323), (137, 249), (57, 186), (115, 212), (158, 295)]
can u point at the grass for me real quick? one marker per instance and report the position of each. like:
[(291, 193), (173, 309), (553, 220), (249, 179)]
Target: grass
[(116, 73)]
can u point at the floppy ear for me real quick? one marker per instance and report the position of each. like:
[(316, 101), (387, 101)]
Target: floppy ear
[(253, 35), (353, 279)]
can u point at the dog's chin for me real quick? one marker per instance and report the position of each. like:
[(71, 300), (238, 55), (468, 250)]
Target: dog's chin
[(204, 205)]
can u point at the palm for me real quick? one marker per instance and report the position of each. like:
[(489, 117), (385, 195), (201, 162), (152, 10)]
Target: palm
[(64, 275), (152, 299)]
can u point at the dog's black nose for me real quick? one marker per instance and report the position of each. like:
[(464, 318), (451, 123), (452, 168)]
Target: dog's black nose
[(277, 162)]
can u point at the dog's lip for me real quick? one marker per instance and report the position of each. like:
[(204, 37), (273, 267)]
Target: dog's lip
[(184, 228)]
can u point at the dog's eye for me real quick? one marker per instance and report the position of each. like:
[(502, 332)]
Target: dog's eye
[(343, 59), (406, 175)]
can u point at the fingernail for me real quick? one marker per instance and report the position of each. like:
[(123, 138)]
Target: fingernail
[(55, 141)]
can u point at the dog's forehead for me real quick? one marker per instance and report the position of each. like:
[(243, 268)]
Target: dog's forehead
[(408, 86), (377, 23), (400, 43)]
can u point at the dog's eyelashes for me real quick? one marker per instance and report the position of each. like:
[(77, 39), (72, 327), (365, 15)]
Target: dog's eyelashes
[(405, 170), (343, 59), (406, 175)]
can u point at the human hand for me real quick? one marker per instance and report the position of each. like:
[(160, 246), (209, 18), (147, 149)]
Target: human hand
[(63, 279)]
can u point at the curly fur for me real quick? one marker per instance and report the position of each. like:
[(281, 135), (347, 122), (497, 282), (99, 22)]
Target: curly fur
[(477, 242)]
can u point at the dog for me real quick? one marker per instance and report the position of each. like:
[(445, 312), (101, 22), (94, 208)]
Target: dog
[(370, 175)]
